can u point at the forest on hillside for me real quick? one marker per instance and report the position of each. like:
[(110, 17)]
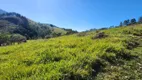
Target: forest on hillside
[(17, 28)]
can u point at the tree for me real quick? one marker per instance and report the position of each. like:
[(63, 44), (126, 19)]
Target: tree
[(121, 24), (17, 38), (133, 21), (70, 31), (126, 22), (140, 20), (4, 39)]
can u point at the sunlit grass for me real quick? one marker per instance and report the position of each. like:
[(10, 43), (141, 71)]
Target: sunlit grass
[(66, 57)]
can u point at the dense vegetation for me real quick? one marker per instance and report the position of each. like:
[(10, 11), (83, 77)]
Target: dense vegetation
[(14, 23), (2, 11), (113, 54)]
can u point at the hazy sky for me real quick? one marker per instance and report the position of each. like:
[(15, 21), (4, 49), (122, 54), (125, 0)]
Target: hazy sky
[(76, 14)]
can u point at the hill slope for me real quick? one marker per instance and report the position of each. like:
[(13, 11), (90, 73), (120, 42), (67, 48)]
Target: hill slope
[(14, 23), (2, 11), (82, 56)]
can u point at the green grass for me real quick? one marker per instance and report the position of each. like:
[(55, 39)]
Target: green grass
[(58, 30), (76, 57)]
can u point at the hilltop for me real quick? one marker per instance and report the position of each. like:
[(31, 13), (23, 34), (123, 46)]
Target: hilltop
[(112, 54)]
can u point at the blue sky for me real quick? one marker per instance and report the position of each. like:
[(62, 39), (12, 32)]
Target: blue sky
[(76, 14)]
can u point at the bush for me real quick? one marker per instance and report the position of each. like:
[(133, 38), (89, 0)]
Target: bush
[(7, 39), (133, 31), (48, 36), (131, 43), (17, 38), (100, 35), (4, 39), (81, 34)]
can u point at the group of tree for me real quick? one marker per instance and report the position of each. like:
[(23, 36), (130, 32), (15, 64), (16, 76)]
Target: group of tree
[(7, 39), (124, 23), (131, 22), (70, 31)]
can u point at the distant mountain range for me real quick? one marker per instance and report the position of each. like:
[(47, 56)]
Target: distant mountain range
[(14, 23)]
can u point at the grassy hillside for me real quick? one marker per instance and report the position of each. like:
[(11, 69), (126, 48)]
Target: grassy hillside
[(82, 56)]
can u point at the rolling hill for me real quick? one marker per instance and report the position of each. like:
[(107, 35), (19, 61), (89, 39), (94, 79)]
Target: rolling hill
[(14, 23), (113, 54)]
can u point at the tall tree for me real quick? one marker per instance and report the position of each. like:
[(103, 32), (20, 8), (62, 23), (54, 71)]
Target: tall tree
[(121, 24), (126, 22), (133, 21), (140, 20)]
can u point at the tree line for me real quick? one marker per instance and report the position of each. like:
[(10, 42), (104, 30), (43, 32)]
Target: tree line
[(127, 22), (131, 22)]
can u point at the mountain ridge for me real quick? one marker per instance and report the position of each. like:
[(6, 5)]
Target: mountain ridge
[(29, 28), (2, 11)]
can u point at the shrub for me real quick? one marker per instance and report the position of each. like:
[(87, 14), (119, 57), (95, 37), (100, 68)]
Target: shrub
[(131, 43), (100, 35), (4, 39), (48, 36), (17, 38), (81, 34), (133, 31)]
